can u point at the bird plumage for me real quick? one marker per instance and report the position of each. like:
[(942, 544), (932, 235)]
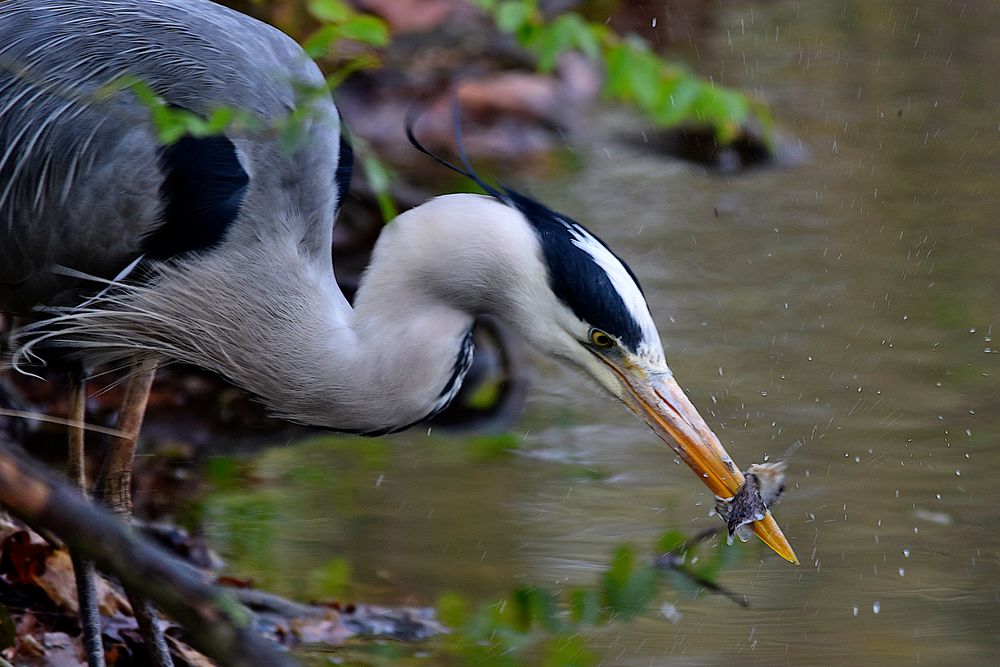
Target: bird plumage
[(81, 167), (222, 244), (258, 302)]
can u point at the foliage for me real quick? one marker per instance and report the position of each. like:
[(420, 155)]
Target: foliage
[(547, 626), (341, 21), (668, 93)]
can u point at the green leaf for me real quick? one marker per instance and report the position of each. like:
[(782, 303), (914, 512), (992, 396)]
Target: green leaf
[(494, 447), (361, 62), (512, 14), (531, 606), (643, 77), (670, 542), (588, 40), (628, 588), (673, 104), (379, 178), (725, 110), (616, 80), (453, 610), (568, 651), (318, 44), (556, 38), (332, 579), (486, 394), (333, 11), (584, 607), (222, 471), (364, 28)]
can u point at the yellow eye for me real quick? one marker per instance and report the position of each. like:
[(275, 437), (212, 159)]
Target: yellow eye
[(601, 339)]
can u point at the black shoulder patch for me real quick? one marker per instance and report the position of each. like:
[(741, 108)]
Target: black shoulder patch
[(574, 277), (345, 168), (202, 190)]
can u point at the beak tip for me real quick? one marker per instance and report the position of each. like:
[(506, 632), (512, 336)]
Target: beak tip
[(768, 531)]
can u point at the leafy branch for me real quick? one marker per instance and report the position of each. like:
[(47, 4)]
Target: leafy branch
[(502, 632), (667, 93)]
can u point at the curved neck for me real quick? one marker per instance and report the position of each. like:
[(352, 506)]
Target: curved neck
[(394, 360), (268, 315)]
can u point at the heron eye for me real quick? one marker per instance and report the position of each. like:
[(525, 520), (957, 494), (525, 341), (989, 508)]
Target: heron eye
[(601, 339)]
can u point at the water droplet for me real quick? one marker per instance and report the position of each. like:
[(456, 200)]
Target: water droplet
[(902, 571), (855, 610), (876, 607), (671, 613), (906, 553)]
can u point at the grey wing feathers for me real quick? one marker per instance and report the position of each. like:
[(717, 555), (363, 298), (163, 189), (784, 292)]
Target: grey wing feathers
[(80, 181)]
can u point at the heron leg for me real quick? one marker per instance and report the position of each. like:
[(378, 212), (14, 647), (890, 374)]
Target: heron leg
[(115, 486), (83, 569), (115, 479)]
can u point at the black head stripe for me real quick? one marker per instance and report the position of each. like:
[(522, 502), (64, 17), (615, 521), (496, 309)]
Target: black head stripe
[(575, 277), (202, 191), (345, 168)]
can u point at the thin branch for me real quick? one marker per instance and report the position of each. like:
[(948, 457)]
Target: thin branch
[(215, 623)]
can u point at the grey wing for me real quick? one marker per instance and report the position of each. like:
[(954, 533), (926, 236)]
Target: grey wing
[(83, 182), (74, 184)]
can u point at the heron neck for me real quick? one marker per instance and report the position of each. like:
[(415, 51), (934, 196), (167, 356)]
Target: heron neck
[(385, 364), (381, 366)]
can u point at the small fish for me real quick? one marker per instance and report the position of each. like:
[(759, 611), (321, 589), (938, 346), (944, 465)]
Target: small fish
[(763, 487)]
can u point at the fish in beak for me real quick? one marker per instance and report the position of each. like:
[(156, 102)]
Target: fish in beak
[(656, 398)]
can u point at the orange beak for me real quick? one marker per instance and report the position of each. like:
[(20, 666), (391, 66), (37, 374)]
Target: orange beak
[(659, 401)]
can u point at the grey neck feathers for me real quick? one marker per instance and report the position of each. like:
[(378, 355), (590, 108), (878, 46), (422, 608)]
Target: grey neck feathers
[(272, 320)]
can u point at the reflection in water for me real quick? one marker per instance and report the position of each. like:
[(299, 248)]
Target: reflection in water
[(841, 314)]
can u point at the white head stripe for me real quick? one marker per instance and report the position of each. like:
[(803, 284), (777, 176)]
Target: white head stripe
[(623, 284)]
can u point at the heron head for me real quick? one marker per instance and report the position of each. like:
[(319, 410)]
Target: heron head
[(596, 317), (592, 313)]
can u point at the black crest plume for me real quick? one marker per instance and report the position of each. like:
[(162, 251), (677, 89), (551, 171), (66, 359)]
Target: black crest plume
[(413, 115), (576, 279)]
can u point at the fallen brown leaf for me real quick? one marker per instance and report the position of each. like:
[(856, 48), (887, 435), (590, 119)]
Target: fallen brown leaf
[(21, 559), (59, 583)]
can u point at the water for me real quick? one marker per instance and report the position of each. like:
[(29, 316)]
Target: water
[(843, 314)]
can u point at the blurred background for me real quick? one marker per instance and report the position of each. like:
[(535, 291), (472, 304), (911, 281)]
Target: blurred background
[(808, 192)]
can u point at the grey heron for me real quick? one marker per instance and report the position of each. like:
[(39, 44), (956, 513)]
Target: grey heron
[(216, 250)]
